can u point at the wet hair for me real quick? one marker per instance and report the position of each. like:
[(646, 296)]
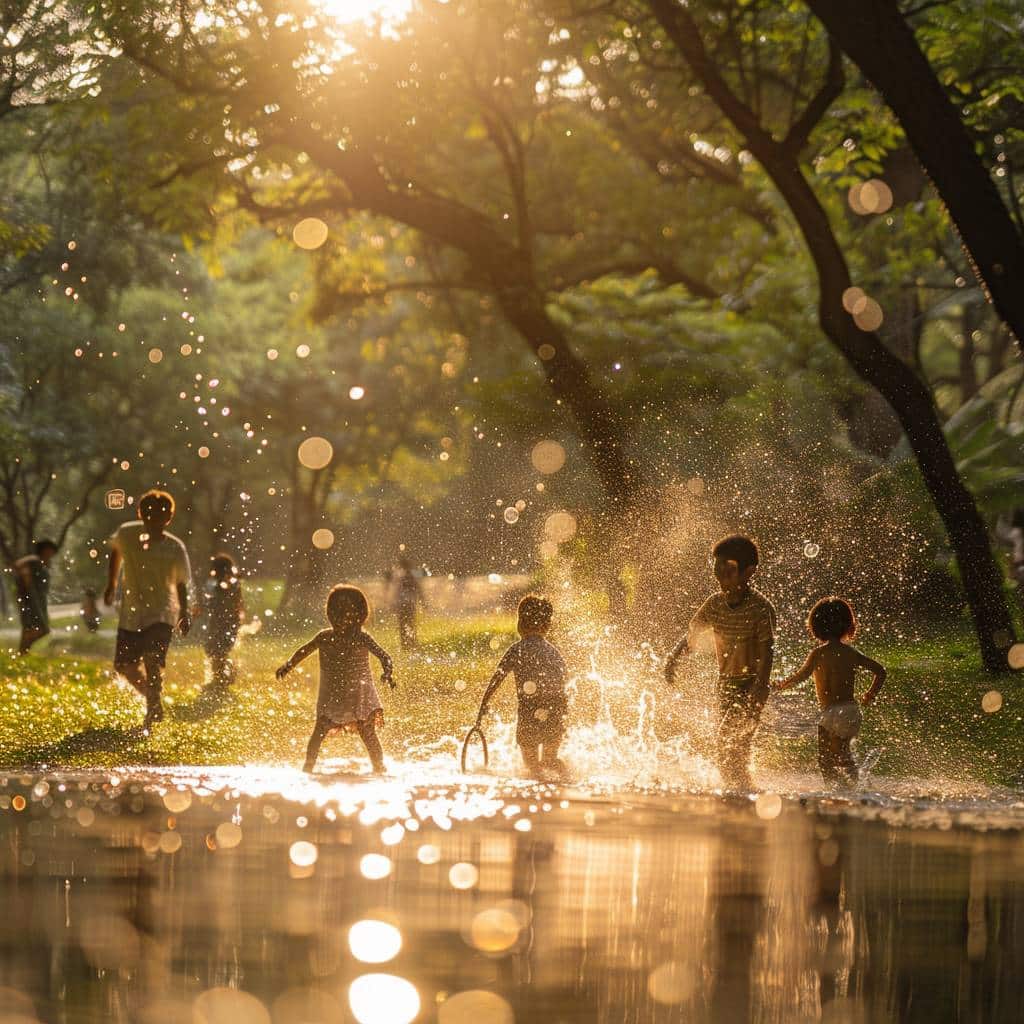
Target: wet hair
[(535, 612), (347, 606), (44, 545), (739, 549), (155, 496), (832, 618), (222, 564)]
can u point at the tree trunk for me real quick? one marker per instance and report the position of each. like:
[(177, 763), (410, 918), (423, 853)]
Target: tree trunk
[(600, 426), (870, 358), (877, 38), (912, 402)]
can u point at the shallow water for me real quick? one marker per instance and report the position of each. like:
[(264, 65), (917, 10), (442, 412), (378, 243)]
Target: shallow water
[(179, 895)]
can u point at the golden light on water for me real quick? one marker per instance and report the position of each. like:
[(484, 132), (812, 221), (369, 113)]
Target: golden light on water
[(375, 866), (383, 999), (494, 930), (671, 983), (228, 1006), (768, 806), (177, 801), (315, 452), (303, 854), (475, 1006), (463, 875), (374, 942), (228, 835)]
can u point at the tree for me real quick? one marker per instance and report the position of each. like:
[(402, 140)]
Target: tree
[(878, 38), (908, 395)]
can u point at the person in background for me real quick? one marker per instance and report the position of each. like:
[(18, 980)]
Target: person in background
[(32, 591), (154, 598), (408, 595), (223, 612), (90, 610)]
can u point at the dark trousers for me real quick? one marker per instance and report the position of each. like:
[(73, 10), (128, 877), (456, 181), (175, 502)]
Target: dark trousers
[(740, 706)]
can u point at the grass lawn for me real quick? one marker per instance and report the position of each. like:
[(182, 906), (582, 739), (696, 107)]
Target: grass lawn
[(62, 709)]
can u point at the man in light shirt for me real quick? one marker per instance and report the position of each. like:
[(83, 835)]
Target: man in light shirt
[(154, 596)]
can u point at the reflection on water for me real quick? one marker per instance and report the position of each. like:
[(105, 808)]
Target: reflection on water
[(222, 903)]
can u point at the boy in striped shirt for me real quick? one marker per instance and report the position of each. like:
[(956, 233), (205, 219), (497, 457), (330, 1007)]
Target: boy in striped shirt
[(743, 624)]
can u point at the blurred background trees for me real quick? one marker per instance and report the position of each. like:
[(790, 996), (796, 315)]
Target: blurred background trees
[(725, 285)]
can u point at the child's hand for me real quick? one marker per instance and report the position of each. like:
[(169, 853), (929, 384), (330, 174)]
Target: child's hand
[(283, 671), (670, 671), (389, 679), (867, 700)]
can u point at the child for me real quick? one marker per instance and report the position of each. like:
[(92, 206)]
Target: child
[(743, 623), (222, 606), (833, 665), (540, 685), (90, 610), (154, 598), (348, 700)]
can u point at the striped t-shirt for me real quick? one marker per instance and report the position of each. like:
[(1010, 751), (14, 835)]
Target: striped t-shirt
[(739, 631)]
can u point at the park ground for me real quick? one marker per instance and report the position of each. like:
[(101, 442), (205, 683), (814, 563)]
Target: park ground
[(60, 707)]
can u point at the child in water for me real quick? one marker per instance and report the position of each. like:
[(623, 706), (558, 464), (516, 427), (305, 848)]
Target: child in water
[(742, 622), (223, 610), (348, 700), (833, 665), (540, 684)]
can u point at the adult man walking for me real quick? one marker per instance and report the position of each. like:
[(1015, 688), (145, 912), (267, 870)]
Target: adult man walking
[(154, 596)]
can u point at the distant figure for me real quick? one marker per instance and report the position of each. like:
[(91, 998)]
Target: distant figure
[(222, 610), (32, 591), (348, 700), (540, 687), (90, 611), (743, 623), (154, 596), (408, 594), (833, 666)]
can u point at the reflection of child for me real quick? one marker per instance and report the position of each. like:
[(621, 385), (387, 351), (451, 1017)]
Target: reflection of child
[(90, 610), (833, 666), (540, 684), (223, 611), (348, 700), (743, 624)]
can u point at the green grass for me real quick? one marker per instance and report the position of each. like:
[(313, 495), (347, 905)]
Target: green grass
[(62, 709)]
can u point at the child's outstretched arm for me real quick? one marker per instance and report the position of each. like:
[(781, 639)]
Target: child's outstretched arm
[(492, 688), (697, 625), (805, 671), (878, 670), (300, 655), (386, 664)]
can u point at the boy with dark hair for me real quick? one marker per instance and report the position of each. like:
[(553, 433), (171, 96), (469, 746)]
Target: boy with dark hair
[(154, 596), (834, 664), (32, 590), (743, 624), (540, 686)]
